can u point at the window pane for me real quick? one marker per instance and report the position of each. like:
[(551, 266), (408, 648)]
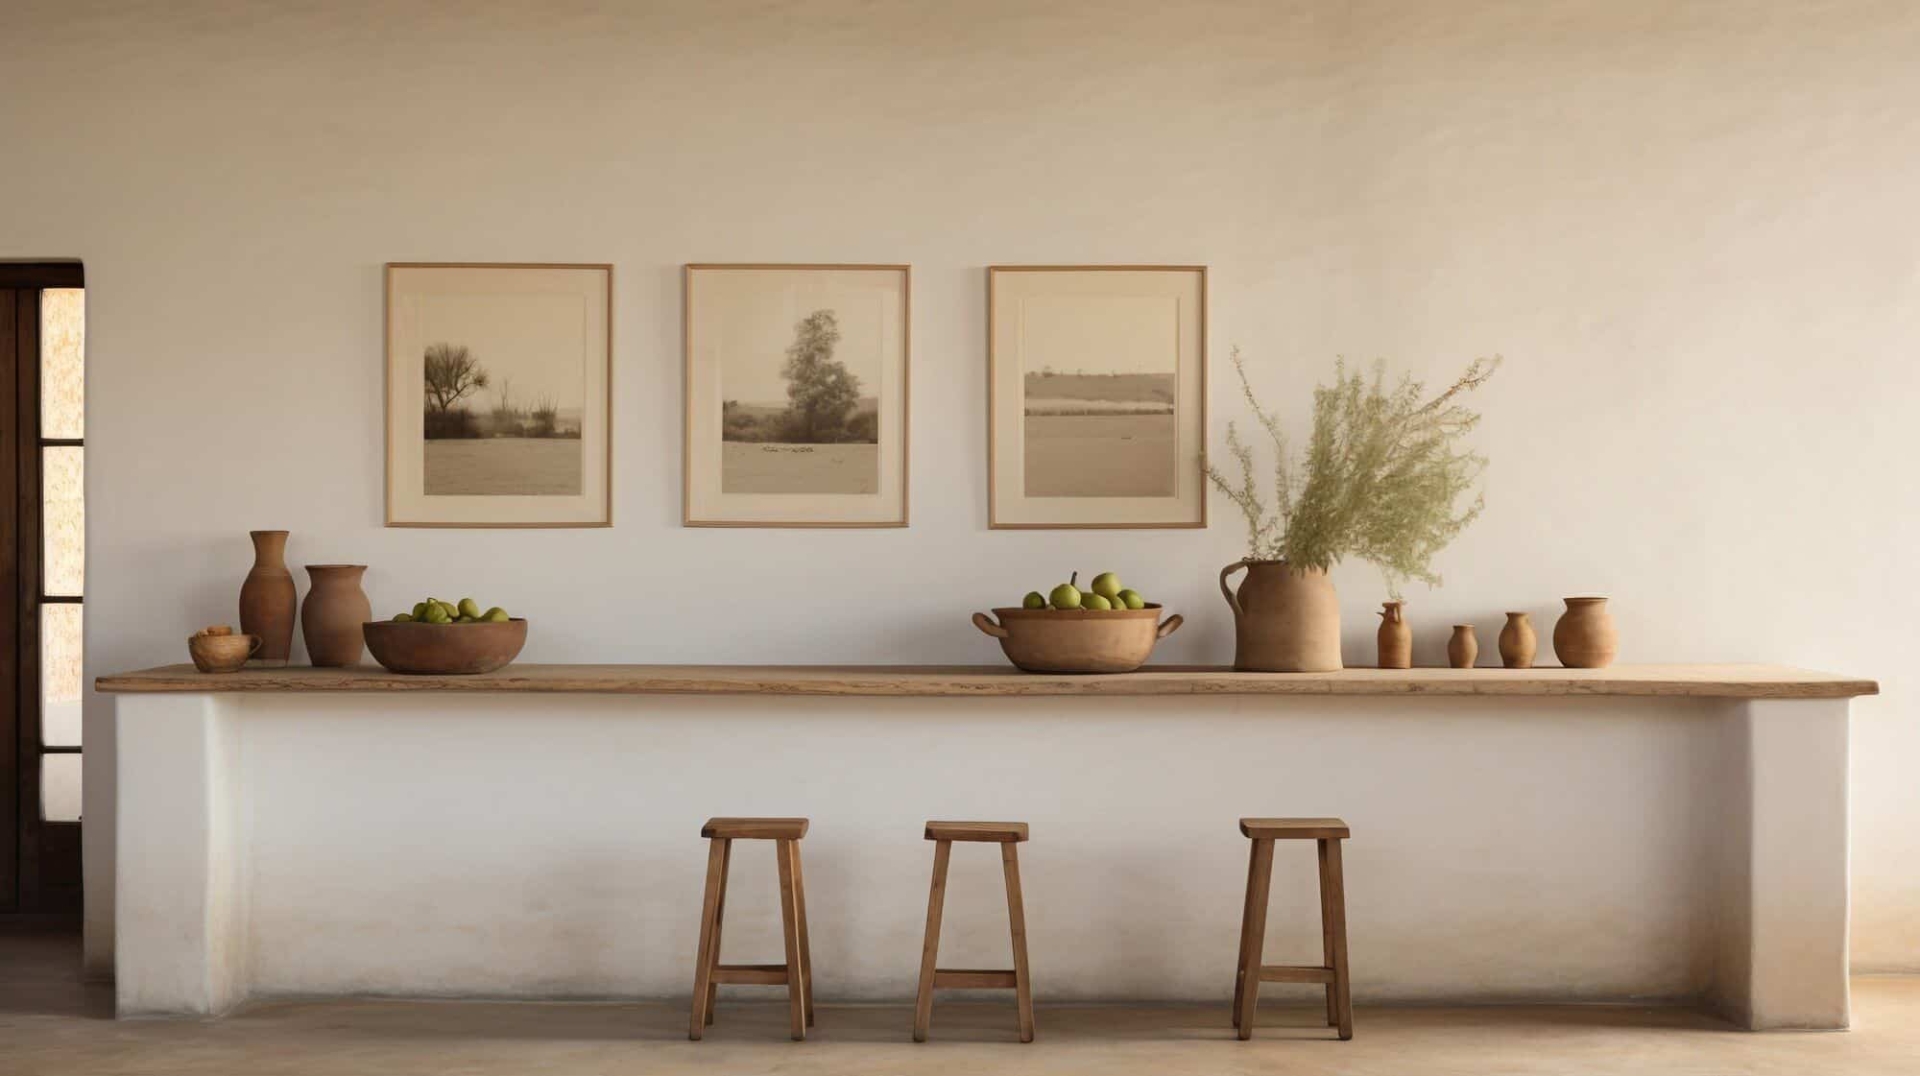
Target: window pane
[(60, 675), (60, 788), (63, 522), (63, 345)]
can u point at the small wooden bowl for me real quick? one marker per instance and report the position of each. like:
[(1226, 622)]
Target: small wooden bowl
[(221, 653), (1078, 640), (444, 649)]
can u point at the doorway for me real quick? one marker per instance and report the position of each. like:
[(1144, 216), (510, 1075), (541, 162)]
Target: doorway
[(42, 583)]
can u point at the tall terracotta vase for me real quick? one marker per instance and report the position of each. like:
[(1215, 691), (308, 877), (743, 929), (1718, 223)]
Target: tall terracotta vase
[(268, 599), (1283, 620), (1395, 637), (332, 617), (1517, 642), (1584, 637)]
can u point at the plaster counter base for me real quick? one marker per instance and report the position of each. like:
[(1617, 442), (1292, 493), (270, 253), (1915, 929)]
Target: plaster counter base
[(547, 846)]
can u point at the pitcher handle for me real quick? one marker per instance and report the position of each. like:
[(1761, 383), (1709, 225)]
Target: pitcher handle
[(1225, 591), (985, 623)]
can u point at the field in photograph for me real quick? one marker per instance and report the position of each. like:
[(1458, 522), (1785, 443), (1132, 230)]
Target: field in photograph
[(503, 466), (1048, 392), (1094, 455), (748, 467)]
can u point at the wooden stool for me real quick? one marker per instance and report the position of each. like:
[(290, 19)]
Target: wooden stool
[(1329, 832), (797, 972), (1007, 835)]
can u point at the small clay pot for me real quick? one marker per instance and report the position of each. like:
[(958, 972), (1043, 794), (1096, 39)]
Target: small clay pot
[(1462, 648), (221, 653), (1395, 637), (1584, 637), (335, 609), (1517, 642)]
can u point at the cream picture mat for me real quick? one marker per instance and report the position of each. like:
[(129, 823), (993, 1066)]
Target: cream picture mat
[(1025, 305), (413, 289)]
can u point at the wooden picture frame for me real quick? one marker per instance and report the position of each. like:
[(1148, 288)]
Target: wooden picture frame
[(1116, 356), (791, 372), (531, 343)]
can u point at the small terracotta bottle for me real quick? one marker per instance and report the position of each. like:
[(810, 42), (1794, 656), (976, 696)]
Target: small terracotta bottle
[(1395, 638), (1463, 647), (1517, 642)]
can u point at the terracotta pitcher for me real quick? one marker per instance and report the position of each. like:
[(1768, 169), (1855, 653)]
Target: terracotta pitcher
[(1584, 637), (268, 599), (1283, 620), (332, 617), (1517, 642), (1395, 637)]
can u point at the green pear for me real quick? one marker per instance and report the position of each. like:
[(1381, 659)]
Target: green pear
[(496, 615), (403, 618), (1132, 599), (1107, 585), (1033, 600), (420, 611), (1065, 596), (468, 608), (1098, 603)]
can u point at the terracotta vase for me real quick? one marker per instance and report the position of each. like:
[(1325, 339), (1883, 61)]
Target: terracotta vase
[(1462, 648), (268, 599), (1283, 620), (1395, 637), (1584, 637), (1517, 642), (332, 619)]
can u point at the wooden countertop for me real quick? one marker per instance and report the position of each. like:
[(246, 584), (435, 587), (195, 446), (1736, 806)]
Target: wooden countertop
[(961, 681)]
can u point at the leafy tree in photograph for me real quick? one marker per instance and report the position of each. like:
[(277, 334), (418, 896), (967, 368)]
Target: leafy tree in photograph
[(821, 394)]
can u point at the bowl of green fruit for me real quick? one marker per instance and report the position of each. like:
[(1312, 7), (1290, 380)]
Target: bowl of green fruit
[(1106, 628), (438, 638)]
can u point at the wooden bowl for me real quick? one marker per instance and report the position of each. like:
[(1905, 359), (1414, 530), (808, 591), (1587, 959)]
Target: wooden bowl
[(444, 649), (1078, 640), (221, 653)]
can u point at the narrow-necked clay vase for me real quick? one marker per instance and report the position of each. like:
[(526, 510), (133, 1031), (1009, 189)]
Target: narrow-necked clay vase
[(1283, 620), (1462, 648), (268, 599), (336, 609), (1584, 637), (1395, 637), (1517, 642)]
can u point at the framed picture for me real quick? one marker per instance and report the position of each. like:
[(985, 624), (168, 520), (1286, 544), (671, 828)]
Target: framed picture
[(499, 395), (1096, 396), (796, 389)]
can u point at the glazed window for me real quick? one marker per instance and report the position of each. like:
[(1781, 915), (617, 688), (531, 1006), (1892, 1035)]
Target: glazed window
[(63, 547)]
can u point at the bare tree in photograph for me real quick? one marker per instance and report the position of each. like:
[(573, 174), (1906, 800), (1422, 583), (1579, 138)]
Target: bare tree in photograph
[(821, 393), (452, 375)]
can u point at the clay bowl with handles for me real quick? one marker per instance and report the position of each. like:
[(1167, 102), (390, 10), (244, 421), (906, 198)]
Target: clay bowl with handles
[(406, 646), (221, 653), (1078, 640)]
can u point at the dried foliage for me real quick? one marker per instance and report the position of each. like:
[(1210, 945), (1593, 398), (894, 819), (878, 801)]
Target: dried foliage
[(1382, 473)]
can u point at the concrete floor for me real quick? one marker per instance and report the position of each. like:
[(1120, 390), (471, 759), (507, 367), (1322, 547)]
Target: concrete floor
[(50, 1022)]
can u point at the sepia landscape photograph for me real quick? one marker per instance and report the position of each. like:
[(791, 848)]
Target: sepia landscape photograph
[(803, 418), (1098, 395), (505, 393)]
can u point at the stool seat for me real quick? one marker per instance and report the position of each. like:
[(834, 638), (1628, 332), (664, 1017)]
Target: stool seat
[(1294, 829), (989, 832), (755, 829)]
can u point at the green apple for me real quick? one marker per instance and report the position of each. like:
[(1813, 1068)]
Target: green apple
[(1098, 603), (1107, 585), (1132, 599), (469, 608), (1033, 600)]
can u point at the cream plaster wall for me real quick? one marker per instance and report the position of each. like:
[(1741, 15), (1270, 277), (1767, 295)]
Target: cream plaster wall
[(1690, 227)]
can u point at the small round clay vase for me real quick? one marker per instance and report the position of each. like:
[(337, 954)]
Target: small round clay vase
[(332, 619), (1395, 637), (1584, 637), (1283, 620), (1462, 648), (268, 599), (1517, 642)]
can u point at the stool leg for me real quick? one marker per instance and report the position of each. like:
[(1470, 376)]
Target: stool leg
[(1017, 921), (1246, 916), (703, 961), (719, 923), (790, 934), (806, 947), (1258, 891), (1333, 918), (930, 946)]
